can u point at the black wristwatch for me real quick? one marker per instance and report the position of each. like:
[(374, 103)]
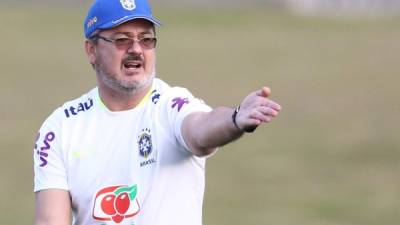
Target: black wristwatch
[(234, 114), (248, 129)]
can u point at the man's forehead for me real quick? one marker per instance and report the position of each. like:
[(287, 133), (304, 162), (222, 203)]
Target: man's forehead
[(132, 34)]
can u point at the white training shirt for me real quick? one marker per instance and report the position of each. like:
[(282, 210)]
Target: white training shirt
[(129, 167)]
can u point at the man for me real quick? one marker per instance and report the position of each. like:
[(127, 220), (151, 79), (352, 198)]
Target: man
[(132, 150)]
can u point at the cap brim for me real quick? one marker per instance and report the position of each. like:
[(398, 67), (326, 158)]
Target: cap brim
[(124, 19)]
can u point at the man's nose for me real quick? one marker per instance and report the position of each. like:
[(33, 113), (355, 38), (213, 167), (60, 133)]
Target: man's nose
[(135, 48)]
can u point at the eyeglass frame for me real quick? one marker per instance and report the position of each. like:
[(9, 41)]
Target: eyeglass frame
[(130, 43)]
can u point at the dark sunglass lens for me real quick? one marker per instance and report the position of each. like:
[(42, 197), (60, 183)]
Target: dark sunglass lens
[(123, 42), (148, 42)]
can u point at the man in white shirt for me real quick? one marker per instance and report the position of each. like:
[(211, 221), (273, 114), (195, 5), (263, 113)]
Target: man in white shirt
[(132, 150)]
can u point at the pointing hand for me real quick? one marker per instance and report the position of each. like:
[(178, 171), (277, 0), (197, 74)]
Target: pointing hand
[(256, 109)]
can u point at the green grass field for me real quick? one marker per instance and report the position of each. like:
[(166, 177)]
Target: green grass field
[(331, 158)]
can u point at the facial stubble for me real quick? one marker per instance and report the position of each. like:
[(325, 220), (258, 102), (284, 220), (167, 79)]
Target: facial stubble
[(119, 85)]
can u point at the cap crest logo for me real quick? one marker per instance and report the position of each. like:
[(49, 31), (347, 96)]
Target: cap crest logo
[(128, 4)]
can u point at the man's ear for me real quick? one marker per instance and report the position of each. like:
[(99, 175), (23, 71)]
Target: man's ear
[(90, 49)]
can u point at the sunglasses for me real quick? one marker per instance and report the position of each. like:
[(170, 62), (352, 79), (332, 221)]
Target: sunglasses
[(124, 43)]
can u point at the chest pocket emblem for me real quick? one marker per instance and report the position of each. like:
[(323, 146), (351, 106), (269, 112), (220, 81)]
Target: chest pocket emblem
[(145, 143), (145, 146)]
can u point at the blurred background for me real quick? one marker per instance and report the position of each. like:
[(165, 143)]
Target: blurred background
[(331, 158)]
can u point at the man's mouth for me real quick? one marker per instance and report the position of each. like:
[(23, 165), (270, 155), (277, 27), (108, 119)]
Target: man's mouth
[(133, 64)]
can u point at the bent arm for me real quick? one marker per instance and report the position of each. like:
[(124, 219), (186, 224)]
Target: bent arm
[(204, 132), (53, 206)]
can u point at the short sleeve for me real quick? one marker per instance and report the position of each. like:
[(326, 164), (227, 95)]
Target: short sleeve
[(179, 104), (50, 171)]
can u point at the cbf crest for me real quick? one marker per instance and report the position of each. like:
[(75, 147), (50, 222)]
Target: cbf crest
[(145, 143), (128, 4), (146, 147)]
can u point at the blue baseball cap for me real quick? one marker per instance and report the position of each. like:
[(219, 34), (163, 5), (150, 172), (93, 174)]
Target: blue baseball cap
[(106, 14)]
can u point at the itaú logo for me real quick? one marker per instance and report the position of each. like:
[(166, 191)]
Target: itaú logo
[(116, 203)]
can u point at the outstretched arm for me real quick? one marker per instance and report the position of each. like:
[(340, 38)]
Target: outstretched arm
[(204, 132)]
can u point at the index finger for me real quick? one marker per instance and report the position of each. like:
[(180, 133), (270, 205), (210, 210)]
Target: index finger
[(272, 104)]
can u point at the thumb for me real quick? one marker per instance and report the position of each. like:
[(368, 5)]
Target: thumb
[(264, 92)]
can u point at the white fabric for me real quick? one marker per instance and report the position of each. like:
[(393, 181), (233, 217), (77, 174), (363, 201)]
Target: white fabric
[(94, 154)]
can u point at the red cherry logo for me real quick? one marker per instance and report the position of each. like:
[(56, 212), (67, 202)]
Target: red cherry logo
[(107, 204), (122, 203)]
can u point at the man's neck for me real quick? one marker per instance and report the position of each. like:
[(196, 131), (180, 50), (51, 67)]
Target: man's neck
[(121, 101)]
